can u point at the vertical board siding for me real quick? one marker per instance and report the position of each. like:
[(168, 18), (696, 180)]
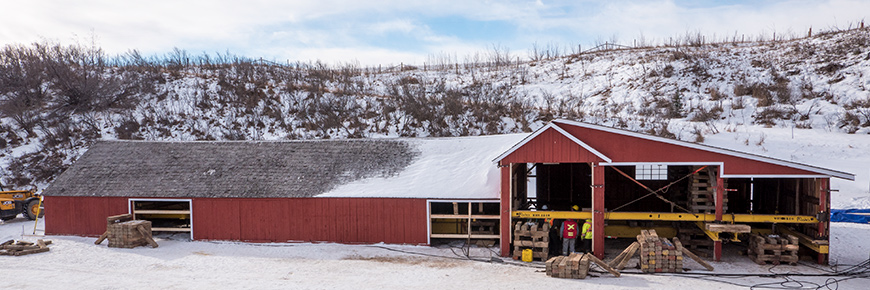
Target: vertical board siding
[(550, 146), (84, 216), (342, 220)]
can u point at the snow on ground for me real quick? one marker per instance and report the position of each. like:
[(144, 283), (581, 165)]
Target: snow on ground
[(76, 263)]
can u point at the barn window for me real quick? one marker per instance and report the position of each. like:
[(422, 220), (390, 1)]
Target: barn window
[(651, 172)]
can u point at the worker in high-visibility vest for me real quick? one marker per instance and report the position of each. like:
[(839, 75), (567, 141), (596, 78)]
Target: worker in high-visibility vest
[(568, 232), (586, 236)]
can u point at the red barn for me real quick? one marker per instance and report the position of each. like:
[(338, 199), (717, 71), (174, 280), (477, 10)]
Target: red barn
[(625, 181), (417, 191), (402, 191)]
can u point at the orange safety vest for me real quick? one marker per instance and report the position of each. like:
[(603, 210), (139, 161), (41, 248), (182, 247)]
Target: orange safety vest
[(569, 229)]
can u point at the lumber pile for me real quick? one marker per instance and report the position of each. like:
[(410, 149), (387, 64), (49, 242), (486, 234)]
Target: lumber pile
[(574, 266), (658, 255), (21, 248), (534, 236), (124, 232), (702, 198), (773, 249)]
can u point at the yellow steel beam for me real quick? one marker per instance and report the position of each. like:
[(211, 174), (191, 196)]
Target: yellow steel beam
[(713, 235), (666, 216), (820, 246)]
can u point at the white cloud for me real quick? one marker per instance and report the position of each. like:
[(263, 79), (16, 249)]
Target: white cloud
[(341, 30)]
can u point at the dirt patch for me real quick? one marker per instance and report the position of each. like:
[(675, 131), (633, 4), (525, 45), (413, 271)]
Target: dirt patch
[(424, 261)]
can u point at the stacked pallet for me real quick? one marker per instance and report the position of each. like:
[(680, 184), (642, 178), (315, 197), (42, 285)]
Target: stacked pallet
[(21, 248), (575, 266), (658, 255), (773, 249), (123, 232), (702, 197), (534, 236)]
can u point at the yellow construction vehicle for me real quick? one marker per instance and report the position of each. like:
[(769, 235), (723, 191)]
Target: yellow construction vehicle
[(14, 202)]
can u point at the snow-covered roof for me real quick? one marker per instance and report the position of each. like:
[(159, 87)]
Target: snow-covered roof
[(451, 168), (447, 168)]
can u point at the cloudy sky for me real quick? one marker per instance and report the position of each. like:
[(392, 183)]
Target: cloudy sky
[(393, 31)]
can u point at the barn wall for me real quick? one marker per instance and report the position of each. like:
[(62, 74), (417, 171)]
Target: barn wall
[(342, 220), (550, 147), (83, 216), (622, 148)]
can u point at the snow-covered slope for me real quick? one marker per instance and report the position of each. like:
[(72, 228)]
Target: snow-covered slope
[(745, 96)]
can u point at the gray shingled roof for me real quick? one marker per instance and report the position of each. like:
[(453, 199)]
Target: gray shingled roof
[(229, 169)]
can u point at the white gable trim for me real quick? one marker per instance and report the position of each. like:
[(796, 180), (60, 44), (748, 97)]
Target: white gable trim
[(553, 126), (708, 148)]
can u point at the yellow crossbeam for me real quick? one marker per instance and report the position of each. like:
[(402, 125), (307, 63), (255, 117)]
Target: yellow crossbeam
[(658, 216)]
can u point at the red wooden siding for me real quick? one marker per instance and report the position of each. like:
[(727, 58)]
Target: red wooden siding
[(83, 216), (342, 220), (622, 148), (551, 147)]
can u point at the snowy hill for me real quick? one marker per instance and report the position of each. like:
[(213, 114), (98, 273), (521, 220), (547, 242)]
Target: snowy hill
[(804, 100)]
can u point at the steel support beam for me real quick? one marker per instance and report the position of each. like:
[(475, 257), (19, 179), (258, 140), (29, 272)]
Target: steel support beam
[(669, 216)]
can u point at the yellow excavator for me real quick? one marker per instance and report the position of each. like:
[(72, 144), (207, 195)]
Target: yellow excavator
[(14, 202)]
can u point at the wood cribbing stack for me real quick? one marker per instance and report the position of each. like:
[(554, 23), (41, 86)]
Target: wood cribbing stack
[(574, 266), (658, 255), (123, 232), (535, 236), (775, 249)]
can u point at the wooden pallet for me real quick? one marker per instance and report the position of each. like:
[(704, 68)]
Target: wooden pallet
[(774, 249), (532, 236)]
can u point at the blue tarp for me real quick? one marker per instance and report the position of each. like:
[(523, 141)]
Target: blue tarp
[(861, 216)]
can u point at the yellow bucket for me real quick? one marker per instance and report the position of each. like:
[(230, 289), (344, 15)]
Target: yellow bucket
[(527, 255)]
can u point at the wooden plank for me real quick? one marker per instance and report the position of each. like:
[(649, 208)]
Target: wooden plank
[(149, 211), (603, 265), (464, 236), (634, 247), (728, 228), (101, 238), (450, 216), (146, 235)]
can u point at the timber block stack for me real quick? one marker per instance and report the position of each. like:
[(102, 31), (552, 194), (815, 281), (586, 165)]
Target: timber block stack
[(696, 240), (574, 266), (659, 255), (702, 197), (535, 236), (126, 234), (774, 249)]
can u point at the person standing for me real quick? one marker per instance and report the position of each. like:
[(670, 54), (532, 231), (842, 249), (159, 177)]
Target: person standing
[(586, 236), (568, 232)]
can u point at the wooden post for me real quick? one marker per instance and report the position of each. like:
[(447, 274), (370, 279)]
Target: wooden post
[(598, 210), (720, 193), (823, 209), (505, 216)]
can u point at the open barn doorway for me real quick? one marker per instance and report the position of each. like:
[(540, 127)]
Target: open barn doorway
[(165, 215)]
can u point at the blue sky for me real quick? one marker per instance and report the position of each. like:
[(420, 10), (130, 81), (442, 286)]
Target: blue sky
[(394, 31)]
